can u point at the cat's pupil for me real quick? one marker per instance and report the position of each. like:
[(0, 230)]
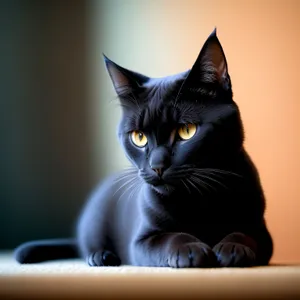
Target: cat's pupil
[(187, 129), (141, 136)]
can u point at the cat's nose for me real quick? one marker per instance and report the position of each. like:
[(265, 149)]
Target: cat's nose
[(158, 171), (159, 160)]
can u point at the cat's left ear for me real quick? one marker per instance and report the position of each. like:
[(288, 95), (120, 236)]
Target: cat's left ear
[(211, 65), (124, 81)]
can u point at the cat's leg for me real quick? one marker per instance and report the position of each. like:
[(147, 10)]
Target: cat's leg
[(94, 246), (177, 250), (103, 258), (240, 250), (95, 249), (94, 243)]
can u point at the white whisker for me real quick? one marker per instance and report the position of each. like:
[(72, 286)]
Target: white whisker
[(225, 172), (190, 181), (202, 183), (211, 179), (185, 185), (124, 184)]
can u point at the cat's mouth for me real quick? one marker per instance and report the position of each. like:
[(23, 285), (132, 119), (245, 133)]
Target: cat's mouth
[(164, 184), (160, 186), (163, 188)]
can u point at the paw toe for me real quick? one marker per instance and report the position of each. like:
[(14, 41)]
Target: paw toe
[(234, 255), (192, 255), (110, 259), (103, 258)]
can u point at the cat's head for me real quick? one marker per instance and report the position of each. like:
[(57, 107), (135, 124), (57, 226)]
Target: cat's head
[(176, 126)]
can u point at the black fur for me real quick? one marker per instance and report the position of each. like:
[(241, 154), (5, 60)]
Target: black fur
[(184, 203), (35, 252)]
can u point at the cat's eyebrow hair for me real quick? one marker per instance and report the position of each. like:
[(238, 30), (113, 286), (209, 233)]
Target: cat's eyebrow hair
[(189, 113), (130, 124), (129, 128)]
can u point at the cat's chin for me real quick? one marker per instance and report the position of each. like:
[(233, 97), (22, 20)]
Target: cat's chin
[(163, 189)]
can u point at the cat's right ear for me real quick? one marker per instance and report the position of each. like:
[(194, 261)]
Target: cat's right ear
[(124, 81)]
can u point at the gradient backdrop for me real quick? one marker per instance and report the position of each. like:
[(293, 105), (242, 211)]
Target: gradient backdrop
[(59, 114)]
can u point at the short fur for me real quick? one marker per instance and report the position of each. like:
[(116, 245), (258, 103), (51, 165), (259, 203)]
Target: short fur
[(184, 203)]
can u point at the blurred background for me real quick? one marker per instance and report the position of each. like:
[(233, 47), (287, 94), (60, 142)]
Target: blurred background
[(58, 113)]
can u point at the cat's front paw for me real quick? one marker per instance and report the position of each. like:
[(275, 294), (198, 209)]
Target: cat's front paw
[(231, 254), (103, 259), (192, 255)]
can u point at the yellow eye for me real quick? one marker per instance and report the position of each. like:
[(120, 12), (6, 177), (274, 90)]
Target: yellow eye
[(187, 131), (139, 138)]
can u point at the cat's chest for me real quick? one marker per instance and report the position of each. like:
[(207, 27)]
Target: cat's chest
[(206, 206), (203, 222), (207, 221), (208, 218), (184, 211)]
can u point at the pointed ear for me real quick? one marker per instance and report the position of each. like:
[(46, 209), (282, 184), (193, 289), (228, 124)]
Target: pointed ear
[(211, 66), (124, 81)]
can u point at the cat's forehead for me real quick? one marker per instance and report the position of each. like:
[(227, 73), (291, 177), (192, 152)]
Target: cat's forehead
[(164, 89), (159, 98), (155, 107)]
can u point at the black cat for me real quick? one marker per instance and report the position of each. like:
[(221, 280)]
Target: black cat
[(193, 197)]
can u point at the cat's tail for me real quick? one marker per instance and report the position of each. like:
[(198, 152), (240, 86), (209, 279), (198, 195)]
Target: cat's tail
[(43, 250)]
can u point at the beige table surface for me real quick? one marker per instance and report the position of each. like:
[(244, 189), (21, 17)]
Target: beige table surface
[(73, 279)]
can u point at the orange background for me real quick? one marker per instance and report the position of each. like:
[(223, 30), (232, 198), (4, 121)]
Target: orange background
[(262, 44), (261, 41)]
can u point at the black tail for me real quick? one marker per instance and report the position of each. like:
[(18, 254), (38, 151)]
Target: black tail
[(43, 250)]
